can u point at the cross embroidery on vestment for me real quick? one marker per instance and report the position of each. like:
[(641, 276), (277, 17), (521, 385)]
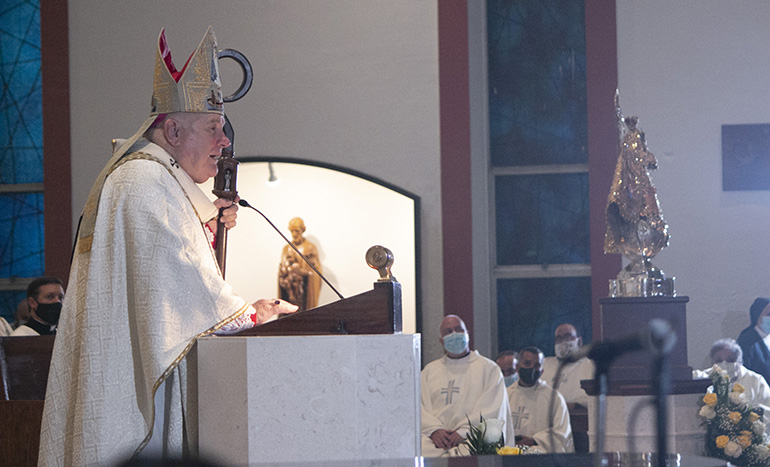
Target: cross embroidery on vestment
[(518, 417), (449, 390)]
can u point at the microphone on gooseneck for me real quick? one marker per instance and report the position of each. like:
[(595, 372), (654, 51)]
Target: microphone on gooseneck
[(246, 204)]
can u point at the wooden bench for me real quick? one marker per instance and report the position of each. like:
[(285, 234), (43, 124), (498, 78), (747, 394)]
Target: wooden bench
[(24, 363)]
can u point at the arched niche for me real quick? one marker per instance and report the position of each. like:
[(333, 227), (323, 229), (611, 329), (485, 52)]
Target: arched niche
[(345, 212)]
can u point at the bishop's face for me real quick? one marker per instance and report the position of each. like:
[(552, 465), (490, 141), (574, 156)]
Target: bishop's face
[(201, 144)]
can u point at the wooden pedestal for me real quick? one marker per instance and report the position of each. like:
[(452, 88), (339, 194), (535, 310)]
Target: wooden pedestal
[(621, 317)]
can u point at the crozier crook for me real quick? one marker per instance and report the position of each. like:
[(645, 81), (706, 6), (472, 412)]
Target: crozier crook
[(225, 182)]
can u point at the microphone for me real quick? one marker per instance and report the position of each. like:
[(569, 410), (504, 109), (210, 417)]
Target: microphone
[(658, 337), (246, 204)]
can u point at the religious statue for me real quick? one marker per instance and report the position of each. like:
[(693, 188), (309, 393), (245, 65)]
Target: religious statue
[(635, 225), (297, 282)]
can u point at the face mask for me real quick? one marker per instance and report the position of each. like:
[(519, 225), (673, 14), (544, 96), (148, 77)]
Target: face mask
[(49, 312), (731, 368), (563, 349), (456, 343), (528, 376), (765, 324), (511, 379)]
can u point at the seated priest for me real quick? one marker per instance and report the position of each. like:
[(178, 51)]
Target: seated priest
[(529, 399), (144, 284), (728, 356), (458, 387), (567, 340), (507, 360), (44, 299)]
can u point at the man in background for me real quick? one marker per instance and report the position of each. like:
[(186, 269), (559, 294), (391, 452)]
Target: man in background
[(728, 356), (44, 299), (507, 361), (567, 340), (529, 400), (456, 388)]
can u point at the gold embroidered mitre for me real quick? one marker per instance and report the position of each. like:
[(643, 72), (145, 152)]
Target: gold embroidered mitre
[(196, 88)]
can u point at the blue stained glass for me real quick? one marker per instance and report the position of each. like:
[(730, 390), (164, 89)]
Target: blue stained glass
[(21, 123), (530, 309), (537, 82), (21, 146), (21, 247), (25, 163), (542, 219)]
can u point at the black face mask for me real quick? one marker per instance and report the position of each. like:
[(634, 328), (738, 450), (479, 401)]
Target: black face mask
[(49, 312), (528, 376)]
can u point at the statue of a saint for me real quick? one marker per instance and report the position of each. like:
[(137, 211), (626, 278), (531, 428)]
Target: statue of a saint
[(635, 225), (297, 282)]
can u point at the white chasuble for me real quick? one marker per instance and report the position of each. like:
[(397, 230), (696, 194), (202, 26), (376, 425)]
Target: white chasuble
[(136, 303), (571, 375), (456, 390), (529, 414)]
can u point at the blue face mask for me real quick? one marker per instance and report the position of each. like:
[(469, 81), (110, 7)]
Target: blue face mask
[(511, 379), (456, 343), (765, 324)]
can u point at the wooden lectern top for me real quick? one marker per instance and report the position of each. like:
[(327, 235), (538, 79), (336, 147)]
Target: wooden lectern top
[(377, 311)]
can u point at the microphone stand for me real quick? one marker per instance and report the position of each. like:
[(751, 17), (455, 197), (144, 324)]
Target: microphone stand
[(600, 376), (661, 382)]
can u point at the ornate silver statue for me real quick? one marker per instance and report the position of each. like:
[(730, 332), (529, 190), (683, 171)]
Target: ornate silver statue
[(635, 225)]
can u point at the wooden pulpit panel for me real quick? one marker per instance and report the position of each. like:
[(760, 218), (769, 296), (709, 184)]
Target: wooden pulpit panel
[(24, 363), (377, 311)]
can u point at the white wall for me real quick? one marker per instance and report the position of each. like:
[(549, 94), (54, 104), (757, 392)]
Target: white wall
[(686, 68), (349, 82)]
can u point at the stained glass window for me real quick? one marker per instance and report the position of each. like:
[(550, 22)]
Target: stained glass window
[(528, 309), (539, 165), (21, 152), (537, 82), (542, 219)]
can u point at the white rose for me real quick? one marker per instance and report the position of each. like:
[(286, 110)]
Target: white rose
[(492, 429), (733, 449), (736, 398), (758, 427), (715, 369), (707, 412), (763, 452)]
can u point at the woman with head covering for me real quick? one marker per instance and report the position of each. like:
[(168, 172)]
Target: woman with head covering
[(755, 339)]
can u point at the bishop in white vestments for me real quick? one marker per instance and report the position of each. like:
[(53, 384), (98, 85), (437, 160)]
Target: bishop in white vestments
[(144, 284)]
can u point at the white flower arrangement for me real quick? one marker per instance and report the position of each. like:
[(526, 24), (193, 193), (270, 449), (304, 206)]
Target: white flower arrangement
[(734, 430)]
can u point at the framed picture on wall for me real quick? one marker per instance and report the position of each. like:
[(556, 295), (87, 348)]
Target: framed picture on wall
[(746, 157)]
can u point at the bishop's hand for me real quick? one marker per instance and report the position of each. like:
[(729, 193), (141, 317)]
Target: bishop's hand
[(228, 216), (267, 308)]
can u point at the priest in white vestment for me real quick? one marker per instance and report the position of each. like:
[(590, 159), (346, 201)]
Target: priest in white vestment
[(145, 284), (567, 341), (529, 400), (459, 386), (727, 357)]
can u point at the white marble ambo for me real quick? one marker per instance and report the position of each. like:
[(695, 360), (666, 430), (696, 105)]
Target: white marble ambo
[(309, 398)]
